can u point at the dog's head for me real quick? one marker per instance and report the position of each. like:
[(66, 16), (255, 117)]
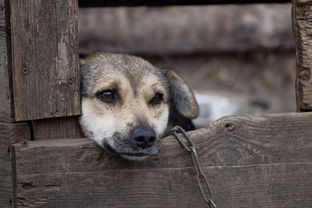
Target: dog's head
[(126, 103)]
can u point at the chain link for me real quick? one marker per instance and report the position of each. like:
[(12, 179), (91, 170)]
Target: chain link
[(200, 175)]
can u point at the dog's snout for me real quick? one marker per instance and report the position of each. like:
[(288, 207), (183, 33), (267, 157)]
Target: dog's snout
[(143, 137)]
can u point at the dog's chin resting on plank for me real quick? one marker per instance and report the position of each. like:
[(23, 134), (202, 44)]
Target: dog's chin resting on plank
[(128, 105)]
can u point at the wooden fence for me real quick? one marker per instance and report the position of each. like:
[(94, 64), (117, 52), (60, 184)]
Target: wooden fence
[(250, 161)]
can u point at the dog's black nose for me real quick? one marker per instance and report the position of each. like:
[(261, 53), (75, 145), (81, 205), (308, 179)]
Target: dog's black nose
[(143, 137)]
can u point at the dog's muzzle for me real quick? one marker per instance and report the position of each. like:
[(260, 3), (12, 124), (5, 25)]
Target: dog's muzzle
[(141, 143), (143, 137)]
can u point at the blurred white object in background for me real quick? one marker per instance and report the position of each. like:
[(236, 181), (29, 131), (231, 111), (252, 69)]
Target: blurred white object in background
[(214, 105)]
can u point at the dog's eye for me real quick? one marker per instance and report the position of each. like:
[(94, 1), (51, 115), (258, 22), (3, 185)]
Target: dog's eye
[(157, 99), (108, 96)]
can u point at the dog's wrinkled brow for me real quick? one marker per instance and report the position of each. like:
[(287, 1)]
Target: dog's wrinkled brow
[(102, 68), (109, 85)]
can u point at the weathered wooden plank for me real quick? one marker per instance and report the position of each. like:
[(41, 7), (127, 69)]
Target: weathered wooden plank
[(211, 29), (5, 55), (302, 25), (45, 59), (57, 128), (9, 133), (238, 140), (95, 3), (251, 161), (20, 132), (6, 183), (254, 186)]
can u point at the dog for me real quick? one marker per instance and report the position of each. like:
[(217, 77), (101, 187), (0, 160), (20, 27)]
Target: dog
[(128, 105)]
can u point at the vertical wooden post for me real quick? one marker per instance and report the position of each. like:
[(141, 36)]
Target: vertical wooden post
[(6, 183), (10, 132), (302, 26), (5, 55), (46, 77)]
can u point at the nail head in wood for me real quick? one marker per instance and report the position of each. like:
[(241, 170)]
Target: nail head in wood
[(230, 127)]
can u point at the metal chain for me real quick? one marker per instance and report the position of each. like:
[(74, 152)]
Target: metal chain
[(200, 175)]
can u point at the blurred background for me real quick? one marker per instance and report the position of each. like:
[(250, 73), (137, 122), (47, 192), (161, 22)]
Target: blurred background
[(239, 59)]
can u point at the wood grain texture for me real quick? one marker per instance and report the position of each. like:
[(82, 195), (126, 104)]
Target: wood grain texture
[(302, 25), (9, 133), (20, 132), (96, 3), (57, 128), (5, 55), (280, 138), (210, 29), (45, 58), (251, 161), (255, 186), (6, 183)]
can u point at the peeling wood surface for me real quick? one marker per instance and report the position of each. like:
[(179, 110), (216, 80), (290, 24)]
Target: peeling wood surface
[(302, 25), (57, 128), (9, 133), (45, 59), (5, 92), (251, 161)]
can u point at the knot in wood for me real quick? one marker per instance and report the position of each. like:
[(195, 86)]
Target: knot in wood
[(71, 81), (24, 144), (25, 71), (230, 127)]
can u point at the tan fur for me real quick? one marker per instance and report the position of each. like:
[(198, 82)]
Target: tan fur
[(132, 109), (137, 82)]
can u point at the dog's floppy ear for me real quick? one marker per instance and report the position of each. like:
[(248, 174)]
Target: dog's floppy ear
[(181, 95)]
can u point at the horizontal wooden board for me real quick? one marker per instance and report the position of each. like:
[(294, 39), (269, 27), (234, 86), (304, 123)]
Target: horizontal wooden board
[(251, 161), (255, 186), (280, 138), (5, 56), (45, 59), (186, 30), (302, 25), (94, 3), (57, 128)]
